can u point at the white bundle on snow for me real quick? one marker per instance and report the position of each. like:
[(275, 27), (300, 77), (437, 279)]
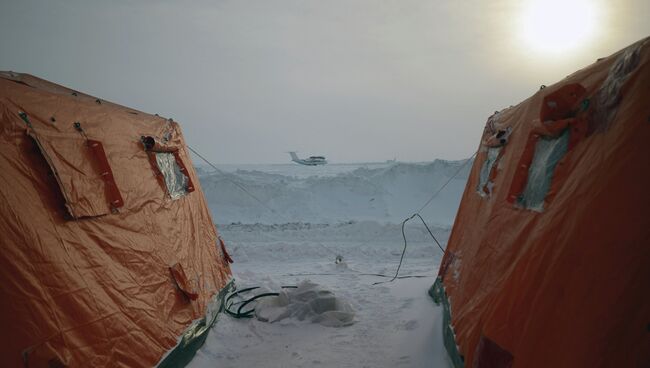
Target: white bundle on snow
[(310, 302)]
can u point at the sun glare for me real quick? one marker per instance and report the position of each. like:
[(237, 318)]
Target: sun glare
[(556, 26)]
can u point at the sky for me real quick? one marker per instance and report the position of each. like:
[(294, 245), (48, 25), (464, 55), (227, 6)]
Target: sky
[(354, 80)]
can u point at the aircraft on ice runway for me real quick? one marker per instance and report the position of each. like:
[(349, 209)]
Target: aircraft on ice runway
[(311, 161)]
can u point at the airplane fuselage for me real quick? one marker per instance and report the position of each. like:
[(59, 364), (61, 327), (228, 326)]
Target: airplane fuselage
[(311, 161)]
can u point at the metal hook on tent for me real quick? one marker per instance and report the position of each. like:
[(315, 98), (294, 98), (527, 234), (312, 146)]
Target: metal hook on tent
[(77, 126), (23, 116)]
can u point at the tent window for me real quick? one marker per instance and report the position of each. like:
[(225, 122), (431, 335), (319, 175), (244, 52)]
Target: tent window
[(485, 185), (548, 152), (176, 180)]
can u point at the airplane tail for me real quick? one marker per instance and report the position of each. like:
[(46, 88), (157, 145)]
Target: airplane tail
[(294, 157)]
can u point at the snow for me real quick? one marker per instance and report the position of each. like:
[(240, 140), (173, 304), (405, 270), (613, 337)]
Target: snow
[(338, 316), (385, 192)]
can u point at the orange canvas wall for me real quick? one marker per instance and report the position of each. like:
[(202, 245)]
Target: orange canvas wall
[(567, 286), (90, 239)]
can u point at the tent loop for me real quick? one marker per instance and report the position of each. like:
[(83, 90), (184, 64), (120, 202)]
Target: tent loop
[(77, 127), (23, 116)]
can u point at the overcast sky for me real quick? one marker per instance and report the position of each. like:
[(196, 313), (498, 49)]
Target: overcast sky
[(352, 80)]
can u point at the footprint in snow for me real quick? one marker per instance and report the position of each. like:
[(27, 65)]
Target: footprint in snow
[(410, 325), (383, 289), (404, 360), (407, 303)]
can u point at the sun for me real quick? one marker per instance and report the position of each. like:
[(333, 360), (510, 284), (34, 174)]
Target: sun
[(557, 26)]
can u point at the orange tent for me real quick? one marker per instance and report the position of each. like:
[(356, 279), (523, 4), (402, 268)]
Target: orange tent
[(548, 263), (109, 253)]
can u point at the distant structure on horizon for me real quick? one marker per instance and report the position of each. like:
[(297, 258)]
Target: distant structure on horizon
[(311, 161)]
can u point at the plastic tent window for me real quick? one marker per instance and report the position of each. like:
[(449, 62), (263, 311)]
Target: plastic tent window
[(175, 180), (548, 152), (484, 187)]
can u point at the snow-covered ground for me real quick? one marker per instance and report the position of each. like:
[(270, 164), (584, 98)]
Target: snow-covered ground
[(319, 215)]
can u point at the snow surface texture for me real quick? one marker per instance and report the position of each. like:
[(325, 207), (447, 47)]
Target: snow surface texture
[(388, 325), (385, 192)]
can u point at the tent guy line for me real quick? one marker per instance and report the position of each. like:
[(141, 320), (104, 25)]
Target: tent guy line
[(240, 186), (417, 214), (445, 184)]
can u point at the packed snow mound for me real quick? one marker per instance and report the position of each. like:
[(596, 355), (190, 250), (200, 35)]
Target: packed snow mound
[(385, 193), (307, 302)]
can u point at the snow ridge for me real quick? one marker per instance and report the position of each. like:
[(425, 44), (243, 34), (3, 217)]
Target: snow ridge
[(385, 193)]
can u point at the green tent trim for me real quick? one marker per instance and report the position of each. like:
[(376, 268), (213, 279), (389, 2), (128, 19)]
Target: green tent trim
[(196, 334), (437, 292)]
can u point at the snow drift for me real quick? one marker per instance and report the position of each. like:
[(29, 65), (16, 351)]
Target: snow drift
[(378, 192)]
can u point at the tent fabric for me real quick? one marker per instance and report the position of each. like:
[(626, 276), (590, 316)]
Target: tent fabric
[(100, 265), (561, 278)]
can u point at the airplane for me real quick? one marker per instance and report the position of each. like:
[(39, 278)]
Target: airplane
[(311, 161)]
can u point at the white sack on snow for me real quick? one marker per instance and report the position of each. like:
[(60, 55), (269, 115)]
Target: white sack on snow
[(307, 302)]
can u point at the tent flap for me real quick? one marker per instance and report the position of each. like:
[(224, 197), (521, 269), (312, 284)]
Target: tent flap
[(195, 335)]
